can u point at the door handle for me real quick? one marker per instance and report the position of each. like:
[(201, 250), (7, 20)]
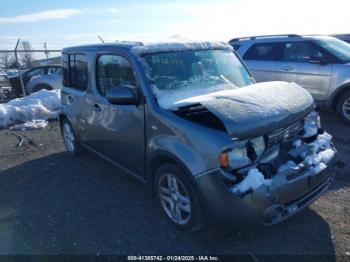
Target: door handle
[(97, 107), (70, 98), (288, 68)]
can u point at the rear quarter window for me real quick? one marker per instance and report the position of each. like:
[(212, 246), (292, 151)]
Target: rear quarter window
[(78, 71)]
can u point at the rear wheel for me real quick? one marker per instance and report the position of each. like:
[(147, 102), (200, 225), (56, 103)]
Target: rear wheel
[(343, 107), (69, 138), (177, 198)]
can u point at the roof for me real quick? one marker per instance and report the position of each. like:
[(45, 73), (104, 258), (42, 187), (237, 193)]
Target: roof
[(102, 46), (141, 48)]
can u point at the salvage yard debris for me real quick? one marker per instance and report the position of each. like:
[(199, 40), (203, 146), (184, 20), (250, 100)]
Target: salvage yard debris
[(31, 112)]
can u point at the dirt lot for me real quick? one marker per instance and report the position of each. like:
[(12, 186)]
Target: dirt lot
[(53, 203)]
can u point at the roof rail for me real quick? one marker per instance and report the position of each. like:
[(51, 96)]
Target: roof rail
[(262, 36)]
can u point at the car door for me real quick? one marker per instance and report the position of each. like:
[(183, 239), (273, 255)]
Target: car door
[(115, 131), (262, 61), (75, 86), (306, 64)]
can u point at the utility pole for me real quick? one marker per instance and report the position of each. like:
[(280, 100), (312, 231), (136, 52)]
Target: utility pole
[(100, 39), (46, 52), (19, 69)]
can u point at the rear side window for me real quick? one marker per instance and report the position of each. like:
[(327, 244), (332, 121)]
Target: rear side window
[(78, 71), (114, 71), (262, 51), (34, 72), (301, 52), (65, 69)]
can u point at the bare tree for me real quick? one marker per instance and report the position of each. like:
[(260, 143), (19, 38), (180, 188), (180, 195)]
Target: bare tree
[(6, 59), (27, 58)]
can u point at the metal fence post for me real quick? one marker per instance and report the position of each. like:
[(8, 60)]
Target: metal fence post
[(19, 69)]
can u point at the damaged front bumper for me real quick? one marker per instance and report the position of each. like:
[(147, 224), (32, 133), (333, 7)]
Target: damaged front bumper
[(290, 191)]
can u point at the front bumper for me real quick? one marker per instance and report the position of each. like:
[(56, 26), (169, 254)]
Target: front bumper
[(289, 192)]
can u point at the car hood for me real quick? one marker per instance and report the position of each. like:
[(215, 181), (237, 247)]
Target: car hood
[(256, 109)]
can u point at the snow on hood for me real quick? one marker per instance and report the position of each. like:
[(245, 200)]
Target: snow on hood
[(269, 92), (42, 105), (156, 47), (251, 110)]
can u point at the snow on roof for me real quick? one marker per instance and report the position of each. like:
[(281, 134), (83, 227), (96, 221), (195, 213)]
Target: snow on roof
[(156, 47)]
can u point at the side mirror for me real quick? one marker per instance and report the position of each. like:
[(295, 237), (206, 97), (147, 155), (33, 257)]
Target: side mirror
[(317, 60), (121, 95)]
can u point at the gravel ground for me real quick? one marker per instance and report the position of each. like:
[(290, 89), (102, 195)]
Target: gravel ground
[(53, 203)]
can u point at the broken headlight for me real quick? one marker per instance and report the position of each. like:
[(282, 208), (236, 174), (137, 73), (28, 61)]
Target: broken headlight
[(312, 123), (244, 154)]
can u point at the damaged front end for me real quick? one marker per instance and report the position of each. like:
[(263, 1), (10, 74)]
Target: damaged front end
[(281, 172)]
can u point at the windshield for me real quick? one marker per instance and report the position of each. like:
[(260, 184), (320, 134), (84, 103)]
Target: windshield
[(338, 48), (203, 69)]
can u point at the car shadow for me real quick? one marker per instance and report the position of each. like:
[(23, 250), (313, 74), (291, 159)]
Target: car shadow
[(61, 204)]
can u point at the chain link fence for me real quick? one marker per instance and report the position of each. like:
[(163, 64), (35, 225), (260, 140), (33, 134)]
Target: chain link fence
[(22, 64)]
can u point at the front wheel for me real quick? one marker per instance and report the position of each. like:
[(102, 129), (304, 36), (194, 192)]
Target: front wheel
[(343, 107), (177, 198)]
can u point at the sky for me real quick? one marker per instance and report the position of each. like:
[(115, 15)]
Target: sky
[(73, 22)]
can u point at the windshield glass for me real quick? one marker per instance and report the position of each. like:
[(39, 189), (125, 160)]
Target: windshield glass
[(203, 69), (338, 48)]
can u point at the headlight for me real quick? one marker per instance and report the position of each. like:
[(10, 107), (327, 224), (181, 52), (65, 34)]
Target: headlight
[(244, 154), (237, 157), (312, 123)]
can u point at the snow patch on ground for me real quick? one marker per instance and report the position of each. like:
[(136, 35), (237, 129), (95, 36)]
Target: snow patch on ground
[(42, 105), (30, 125), (252, 181)]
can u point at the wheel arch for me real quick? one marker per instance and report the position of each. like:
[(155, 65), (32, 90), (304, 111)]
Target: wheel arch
[(338, 93), (37, 86), (157, 160)]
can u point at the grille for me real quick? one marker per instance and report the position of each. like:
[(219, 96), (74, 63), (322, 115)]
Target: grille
[(289, 133)]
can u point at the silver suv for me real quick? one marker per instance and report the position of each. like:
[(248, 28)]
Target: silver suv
[(320, 64)]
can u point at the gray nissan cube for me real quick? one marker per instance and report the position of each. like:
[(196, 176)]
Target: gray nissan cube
[(189, 121)]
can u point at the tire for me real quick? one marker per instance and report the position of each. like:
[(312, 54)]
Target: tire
[(343, 107), (186, 213), (39, 87), (69, 138)]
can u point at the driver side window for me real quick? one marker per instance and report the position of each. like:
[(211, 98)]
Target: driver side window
[(114, 71), (301, 52)]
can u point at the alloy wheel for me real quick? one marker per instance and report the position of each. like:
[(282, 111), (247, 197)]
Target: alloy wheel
[(68, 136), (175, 199), (346, 108)]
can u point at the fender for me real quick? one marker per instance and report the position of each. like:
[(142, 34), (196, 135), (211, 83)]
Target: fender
[(172, 148), (331, 103)]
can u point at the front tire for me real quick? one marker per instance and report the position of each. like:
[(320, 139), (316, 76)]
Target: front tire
[(69, 138), (343, 107), (177, 198)]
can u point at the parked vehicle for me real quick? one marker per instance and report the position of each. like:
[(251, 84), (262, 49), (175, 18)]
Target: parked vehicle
[(6, 92), (188, 120), (320, 64), (28, 74), (49, 81), (344, 37)]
